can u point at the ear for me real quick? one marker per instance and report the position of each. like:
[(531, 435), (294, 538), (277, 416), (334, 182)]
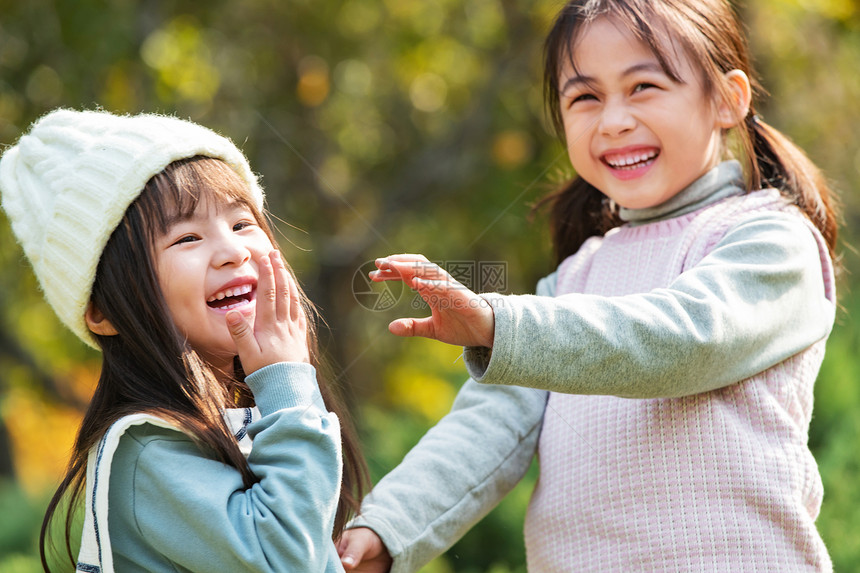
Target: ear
[(732, 111), (97, 323)]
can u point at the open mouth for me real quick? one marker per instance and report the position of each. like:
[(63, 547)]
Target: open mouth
[(232, 297), (631, 161)]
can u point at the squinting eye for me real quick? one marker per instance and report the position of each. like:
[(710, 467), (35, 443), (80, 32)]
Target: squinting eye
[(242, 225), (643, 86), (583, 97), (186, 239)]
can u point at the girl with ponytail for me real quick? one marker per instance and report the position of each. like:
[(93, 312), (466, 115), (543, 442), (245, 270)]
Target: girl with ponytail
[(664, 375)]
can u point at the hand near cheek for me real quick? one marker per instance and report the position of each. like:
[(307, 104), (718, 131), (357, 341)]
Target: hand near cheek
[(280, 329)]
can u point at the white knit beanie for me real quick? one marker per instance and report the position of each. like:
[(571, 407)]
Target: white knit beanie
[(67, 183)]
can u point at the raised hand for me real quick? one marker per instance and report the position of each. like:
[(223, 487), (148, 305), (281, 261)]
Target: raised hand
[(362, 551), (280, 330), (458, 315)]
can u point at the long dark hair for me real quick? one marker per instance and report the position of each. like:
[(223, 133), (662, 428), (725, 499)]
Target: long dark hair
[(149, 367), (712, 36)]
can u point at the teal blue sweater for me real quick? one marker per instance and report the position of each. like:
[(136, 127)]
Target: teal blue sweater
[(173, 507)]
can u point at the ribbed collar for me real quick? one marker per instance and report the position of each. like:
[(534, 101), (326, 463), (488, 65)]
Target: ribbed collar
[(724, 180)]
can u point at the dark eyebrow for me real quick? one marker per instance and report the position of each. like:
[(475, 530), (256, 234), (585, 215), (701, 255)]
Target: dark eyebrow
[(576, 81), (579, 79), (644, 67)]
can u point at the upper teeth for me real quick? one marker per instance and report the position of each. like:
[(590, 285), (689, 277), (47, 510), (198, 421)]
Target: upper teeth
[(235, 291), (631, 159)]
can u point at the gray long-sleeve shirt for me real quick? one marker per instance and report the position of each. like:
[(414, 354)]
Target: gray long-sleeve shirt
[(708, 321)]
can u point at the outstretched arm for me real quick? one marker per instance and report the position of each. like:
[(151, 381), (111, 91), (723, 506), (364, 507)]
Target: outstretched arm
[(455, 475), (755, 300)]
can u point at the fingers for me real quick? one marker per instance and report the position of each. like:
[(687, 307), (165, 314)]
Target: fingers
[(361, 546), (267, 292), (433, 291), (350, 549), (407, 267), (400, 266), (242, 333), (282, 286), (277, 292), (405, 258), (278, 331), (402, 327), (297, 311)]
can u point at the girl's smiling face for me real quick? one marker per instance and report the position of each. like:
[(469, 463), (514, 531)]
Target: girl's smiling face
[(632, 131), (206, 265)]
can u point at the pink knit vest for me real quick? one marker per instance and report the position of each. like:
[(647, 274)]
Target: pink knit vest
[(720, 481)]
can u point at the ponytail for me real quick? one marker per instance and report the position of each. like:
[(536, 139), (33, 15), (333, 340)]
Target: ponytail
[(711, 34), (578, 210), (777, 162)]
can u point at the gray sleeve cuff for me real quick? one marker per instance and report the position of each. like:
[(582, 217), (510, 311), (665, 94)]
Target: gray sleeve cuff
[(477, 358)]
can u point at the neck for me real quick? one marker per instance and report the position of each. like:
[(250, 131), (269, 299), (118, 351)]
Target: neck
[(722, 181)]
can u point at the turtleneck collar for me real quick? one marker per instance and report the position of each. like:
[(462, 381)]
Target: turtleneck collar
[(724, 180)]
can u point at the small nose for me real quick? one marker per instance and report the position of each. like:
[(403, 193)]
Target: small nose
[(230, 250), (616, 118)]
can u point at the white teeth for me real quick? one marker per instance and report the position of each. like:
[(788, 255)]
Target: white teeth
[(235, 305), (621, 162), (235, 291)]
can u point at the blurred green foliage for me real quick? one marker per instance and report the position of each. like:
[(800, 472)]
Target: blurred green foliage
[(381, 126)]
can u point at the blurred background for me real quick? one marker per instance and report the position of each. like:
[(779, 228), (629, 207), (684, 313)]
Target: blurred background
[(382, 126)]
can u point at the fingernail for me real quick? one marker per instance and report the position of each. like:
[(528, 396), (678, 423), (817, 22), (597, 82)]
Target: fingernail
[(347, 560)]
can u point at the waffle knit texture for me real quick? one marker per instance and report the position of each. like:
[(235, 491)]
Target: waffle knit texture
[(68, 182), (714, 481), (761, 295)]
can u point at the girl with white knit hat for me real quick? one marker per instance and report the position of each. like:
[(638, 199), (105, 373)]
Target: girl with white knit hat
[(665, 377), (211, 443)]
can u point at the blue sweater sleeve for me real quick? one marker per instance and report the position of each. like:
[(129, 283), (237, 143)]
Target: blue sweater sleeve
[(174, 507)]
